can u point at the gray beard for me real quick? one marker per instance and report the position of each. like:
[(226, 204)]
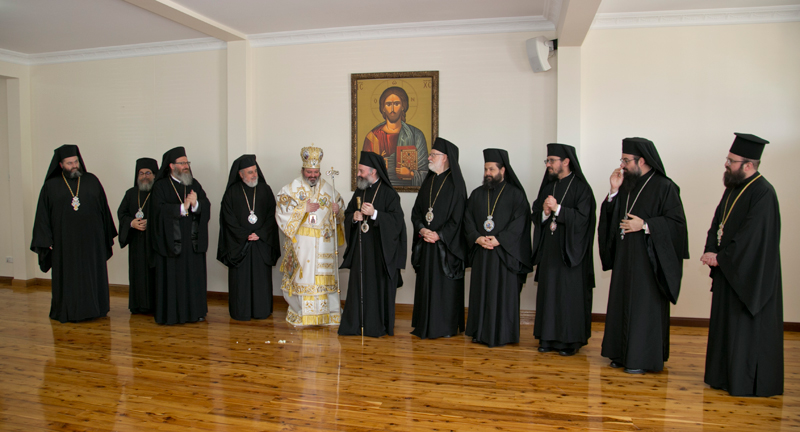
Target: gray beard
[(184, 178), (145, 186), (362, 183), (252, 184), (74, 174)]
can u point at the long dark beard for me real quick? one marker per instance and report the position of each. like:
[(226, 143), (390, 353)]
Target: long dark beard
[(185, 178), (73, 174), (629, 180), (552, 176), (733, 179), (145, 186), (492, 182)]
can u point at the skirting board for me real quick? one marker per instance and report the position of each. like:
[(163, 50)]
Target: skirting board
[(525, 316)]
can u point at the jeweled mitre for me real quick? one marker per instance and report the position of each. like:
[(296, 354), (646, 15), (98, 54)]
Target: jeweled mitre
[(312, 157)]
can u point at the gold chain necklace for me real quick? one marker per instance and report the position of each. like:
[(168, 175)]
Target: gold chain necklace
[(429, 215), (76, 202), (179, 195), (630, 209), (252, 218), (364, 225), (140, 213), (726, 216), (488, 225), (553, 224)]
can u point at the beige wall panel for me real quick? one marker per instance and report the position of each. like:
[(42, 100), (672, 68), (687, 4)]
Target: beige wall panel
[(488, 97), (688, 89), (120, 110)]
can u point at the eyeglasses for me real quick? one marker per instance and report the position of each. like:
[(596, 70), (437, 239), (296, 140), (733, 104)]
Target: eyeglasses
[(550, 161), (626, 161), (145, 173), (182, 163), (729, 161), (436, 154)]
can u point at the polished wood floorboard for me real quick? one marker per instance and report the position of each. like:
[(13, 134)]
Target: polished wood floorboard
[(126, 373)]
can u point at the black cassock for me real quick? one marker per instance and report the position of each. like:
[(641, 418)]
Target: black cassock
[(383, 249), (249, 262), (439, 289), (565, 267), (181, 243), (81, 243), (141, 264), (498, 274), (647, 272), (745, 336)]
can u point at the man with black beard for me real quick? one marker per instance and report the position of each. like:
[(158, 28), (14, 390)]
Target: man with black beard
[(745, 335), (179, 235), (248, 240), (73, 233), (497, 224), (376, 251), (133, 213), (563, 236), (643, 238), (438, 250)]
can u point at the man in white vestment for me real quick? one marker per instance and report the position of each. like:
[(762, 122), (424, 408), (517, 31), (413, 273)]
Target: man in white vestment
[(305, 213)]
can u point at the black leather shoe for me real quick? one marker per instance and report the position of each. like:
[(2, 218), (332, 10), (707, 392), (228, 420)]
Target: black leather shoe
[(634, 371), (544, 349), (568, 352), (474, 340), (616, 365)]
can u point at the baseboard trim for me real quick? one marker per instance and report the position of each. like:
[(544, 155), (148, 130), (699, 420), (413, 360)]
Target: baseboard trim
[(526, 317)]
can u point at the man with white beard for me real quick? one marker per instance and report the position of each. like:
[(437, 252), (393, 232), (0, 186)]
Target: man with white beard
[(179, 235), (305, 213), (248, 240), (133, 213)]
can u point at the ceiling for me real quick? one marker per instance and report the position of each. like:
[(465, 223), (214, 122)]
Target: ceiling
[(47, 26)]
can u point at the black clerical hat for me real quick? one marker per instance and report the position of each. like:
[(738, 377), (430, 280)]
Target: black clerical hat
[(501, 156), (170, 157), (748, 146), (451, 150), (565, 151), (148, 163), (242, 162), (645, 148), (374, 160), (61, 153)]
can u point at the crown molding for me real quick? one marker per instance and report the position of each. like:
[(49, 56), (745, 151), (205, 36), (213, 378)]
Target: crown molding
[(115, 52), (728, 16), (396, 31), (14, 57)]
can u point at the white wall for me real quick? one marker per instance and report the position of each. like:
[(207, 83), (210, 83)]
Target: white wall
[(117, 111), (488, 97), (688, 89)]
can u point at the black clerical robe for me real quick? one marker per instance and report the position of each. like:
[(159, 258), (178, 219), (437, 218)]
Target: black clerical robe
[(565, 268), (647, 271), (382, 251), (81, 242), (141, 264), (745, 335), (497, 274), (439, 289), (181, 243), (249, 262)]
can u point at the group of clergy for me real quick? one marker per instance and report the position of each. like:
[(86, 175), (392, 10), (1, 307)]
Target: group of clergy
[(642, 238)]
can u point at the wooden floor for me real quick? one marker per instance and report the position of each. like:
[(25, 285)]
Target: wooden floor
[(127, 373)]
